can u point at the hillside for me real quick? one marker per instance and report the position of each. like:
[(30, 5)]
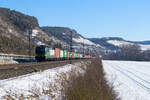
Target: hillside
[(64, 35), (15, 28), (114, 43), (20, 20), (12, 38)]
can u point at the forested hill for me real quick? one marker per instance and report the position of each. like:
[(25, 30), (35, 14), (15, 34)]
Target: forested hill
[(13, 26), (62, 33), (20, 20)]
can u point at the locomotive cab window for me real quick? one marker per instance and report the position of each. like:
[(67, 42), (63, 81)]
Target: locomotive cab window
[(40, 50)]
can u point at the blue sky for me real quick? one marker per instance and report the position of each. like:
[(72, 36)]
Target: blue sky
[(129, 19)]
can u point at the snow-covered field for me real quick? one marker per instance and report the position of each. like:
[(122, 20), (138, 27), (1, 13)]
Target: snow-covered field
[(47, 84), (131, 80)]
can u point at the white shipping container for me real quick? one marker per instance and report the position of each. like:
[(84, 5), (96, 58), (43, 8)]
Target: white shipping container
[(81, 55), (61, 53), (52, 53)]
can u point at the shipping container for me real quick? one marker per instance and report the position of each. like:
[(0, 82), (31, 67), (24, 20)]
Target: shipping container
[(68, 54), (61, 53), (46, 52), (65, 53), (75, 55), (51, 53), (57, 52), (81, 55), (72, 54), (78, 55)]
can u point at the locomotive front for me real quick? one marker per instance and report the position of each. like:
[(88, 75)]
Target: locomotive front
[(40, 53)]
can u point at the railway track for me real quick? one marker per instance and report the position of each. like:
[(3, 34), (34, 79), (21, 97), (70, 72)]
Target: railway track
[(14, 70)]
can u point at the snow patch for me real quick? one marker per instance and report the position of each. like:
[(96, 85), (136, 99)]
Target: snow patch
[(7, 60), (64, 33), (10, 30), (40, 43), (35, 32), (145, 47), (119, 43), (82, 40)]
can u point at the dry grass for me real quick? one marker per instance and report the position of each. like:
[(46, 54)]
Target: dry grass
[(90, 86)]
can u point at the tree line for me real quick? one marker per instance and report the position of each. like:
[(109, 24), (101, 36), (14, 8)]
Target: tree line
[(129, 52)]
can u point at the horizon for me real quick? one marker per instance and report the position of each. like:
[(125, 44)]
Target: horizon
[(92, 19)]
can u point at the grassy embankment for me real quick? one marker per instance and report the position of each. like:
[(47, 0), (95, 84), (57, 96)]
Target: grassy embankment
[(90, 86)]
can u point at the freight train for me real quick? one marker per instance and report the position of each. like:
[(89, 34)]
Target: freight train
[(44, 53)]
